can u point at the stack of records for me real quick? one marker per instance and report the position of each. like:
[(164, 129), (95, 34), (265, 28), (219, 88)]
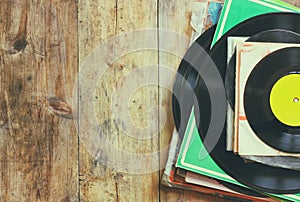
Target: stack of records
[(236, 104)]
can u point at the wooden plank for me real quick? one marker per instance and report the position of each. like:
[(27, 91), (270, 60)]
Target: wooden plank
[(96, 23), (38, 65), (99, 21), (293, 2), (174, 17)]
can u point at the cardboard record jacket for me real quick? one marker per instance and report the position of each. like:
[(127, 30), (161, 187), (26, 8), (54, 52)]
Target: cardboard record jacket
[(255, 175), (279, 71)]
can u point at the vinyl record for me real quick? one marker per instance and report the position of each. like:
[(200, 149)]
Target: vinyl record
[(182, 98), (271, 99), (257, 176), (272, 36), (184, 84)]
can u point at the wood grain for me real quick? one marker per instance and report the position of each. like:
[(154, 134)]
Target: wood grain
[(293, 2), (99, 21), (43, 44), (38, 65), (96, 23)]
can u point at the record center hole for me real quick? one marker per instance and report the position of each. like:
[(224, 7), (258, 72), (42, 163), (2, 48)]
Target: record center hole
[(296, 100)]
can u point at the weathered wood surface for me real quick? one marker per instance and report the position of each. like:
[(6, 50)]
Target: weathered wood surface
[(42, 45), (98, 22), (293, 2), (38, 66)]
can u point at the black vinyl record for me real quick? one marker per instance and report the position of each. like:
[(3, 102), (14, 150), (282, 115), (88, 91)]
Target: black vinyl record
[(271, 36), (255, 175), (260, 116), (185, 82), (183, 97)]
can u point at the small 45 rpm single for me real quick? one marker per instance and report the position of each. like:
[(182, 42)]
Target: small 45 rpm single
[(272, 99)]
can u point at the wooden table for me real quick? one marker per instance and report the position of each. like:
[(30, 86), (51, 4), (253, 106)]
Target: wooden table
[(43, 45)]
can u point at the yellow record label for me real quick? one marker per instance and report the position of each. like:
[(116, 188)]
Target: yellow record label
[(285, 100)]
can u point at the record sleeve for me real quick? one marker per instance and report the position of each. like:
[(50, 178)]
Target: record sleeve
[(236, 11), (248, 55), (276, 97)]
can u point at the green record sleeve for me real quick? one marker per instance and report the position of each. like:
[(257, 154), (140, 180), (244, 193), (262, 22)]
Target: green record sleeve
[(194, 157), (236, 11)]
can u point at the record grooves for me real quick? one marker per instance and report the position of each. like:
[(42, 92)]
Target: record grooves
[(271, 36), (184, 84), (255, 175), (182, 102), (257, 98)]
